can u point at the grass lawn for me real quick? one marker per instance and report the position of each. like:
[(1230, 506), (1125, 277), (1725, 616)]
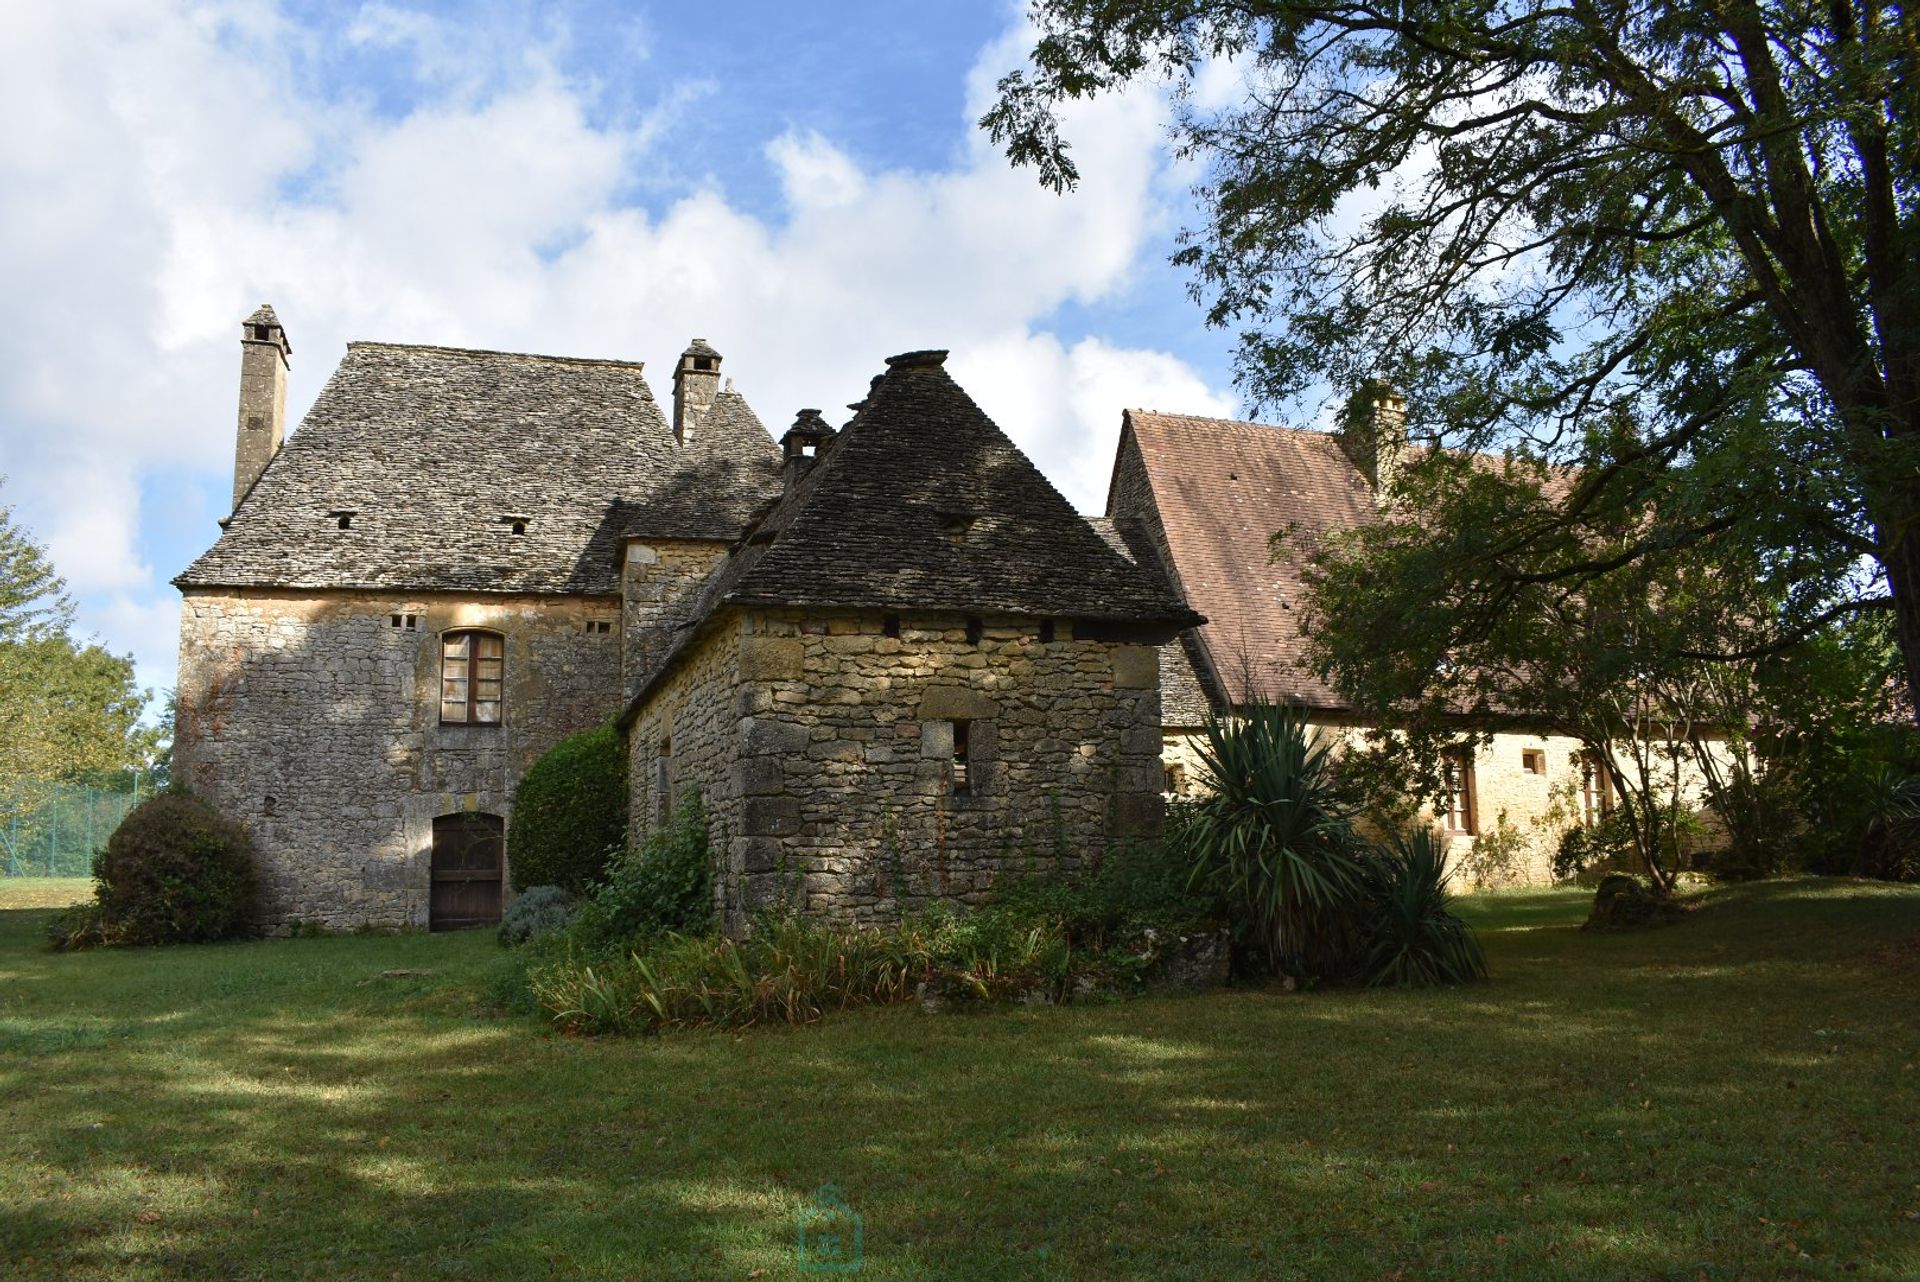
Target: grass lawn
[(1735, 1097), (44, 892)]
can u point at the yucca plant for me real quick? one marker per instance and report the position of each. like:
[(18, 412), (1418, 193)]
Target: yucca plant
[(1274, 840), (1413, 938)]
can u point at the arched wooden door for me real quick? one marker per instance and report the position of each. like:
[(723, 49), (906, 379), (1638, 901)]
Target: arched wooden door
[(468, 852)]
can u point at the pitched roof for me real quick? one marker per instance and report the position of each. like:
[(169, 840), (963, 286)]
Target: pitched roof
[(1184, 690), (1222, 489), (922, 503), (432, 449)]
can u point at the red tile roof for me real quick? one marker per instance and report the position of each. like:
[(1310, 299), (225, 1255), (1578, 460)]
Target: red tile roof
[(1220, 491)]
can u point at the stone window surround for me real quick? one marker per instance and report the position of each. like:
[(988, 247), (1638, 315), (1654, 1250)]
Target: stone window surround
[(1457, 772)]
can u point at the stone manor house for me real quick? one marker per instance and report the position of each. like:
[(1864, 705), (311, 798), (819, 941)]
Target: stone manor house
[(894, 661)]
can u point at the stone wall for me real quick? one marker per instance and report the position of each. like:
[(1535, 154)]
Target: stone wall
[(1519, 815), (840, 794), (659, 581), (314, 721)]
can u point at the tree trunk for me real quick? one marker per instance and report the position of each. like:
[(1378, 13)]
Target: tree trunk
[(1900, 556)]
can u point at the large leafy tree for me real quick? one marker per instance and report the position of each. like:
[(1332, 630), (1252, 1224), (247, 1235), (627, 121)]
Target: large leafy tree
[(68, 709), (1674, 244)]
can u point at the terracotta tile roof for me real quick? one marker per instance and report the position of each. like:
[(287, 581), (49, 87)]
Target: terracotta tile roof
[(433, 451), (1220, 490)]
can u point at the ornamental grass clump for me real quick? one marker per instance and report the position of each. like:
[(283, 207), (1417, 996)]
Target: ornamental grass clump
[(1309, 899)]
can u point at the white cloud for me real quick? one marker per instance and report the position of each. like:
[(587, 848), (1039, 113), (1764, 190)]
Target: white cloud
[(177, 175)]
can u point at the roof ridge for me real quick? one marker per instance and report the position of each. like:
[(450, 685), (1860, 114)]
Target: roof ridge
[(1232, 422), (493, 351)]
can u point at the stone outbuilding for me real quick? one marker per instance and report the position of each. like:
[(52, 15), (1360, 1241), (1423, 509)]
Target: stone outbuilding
[(919, 674)]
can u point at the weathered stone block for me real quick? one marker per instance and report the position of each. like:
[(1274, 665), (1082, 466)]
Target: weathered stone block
[(757, 776), (770, 816), (1136, 667), (956, 703), (760, 735), (772, 658)]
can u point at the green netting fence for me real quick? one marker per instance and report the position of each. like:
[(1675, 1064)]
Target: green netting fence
[(54, 830)]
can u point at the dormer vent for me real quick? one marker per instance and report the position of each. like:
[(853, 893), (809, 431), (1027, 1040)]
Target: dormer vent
[(516, 522), (804, 443)]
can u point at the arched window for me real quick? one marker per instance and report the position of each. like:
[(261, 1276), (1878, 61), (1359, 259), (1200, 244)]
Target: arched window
[(473, 673)]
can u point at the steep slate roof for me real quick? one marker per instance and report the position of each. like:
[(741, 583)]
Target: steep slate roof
[(430, 448), (922, 503), (1222, 489)]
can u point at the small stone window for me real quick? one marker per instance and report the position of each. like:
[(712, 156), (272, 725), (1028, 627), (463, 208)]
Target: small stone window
[(404, 622), (703, 362), (596, 627), (890, 625), (472, 677), (1597, 789), (975, 630), (1533, 760), (343, 517), (962, 754), (515, 522), (1046, 632), (663, 781)]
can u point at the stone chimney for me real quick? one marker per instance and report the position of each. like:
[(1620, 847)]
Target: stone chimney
[(1373, 435), (802, 444), (696, 381), (263, 398)]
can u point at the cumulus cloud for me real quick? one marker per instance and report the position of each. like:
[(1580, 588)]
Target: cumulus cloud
[(186, 162)]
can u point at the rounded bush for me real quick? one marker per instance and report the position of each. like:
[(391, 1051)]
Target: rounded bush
[(534, 913), (176, 871), (569, 812)]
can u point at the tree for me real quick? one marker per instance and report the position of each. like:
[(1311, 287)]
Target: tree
[(1674, 245), (67, 708)]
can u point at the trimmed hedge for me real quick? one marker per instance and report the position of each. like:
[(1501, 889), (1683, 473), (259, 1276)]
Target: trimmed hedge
[(176, 871), (570, 813)]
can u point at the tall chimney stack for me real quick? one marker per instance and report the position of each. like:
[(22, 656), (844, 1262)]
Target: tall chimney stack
[(263, 398), (696, 381), (1373, 435)]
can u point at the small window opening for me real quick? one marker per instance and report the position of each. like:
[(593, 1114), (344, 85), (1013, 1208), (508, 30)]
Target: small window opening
[(956, 525), (1534, 761), (260, 332), (596, 627), (1176, 780), (272, 803), (255, 423), (404, 622), (890, 625), (962, 781), (663, 781), (975, 629), (703, 362), (346, 520), (1046, 632), (519, 527)]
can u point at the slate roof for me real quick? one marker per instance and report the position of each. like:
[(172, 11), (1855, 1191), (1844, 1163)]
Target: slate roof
[(1184, 688), (1221, 489), (922, 503), (430, 448)]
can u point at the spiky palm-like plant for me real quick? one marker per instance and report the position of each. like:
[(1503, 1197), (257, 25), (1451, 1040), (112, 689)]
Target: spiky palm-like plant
[(1273, 839), (1413, 938)]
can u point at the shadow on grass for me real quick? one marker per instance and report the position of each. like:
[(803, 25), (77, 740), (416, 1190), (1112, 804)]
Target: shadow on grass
[(278, 1110)]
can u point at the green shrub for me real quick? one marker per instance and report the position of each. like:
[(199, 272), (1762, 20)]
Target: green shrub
[(1592, 850), (536, 912), (78, 927), (175, 871), (1274, 842), (569, 811), (664, 885), (1413, 939)]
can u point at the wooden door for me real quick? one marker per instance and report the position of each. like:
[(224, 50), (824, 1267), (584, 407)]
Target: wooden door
[(468, 852)]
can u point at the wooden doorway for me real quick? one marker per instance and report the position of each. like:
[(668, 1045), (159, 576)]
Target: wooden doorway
[(468, 851)]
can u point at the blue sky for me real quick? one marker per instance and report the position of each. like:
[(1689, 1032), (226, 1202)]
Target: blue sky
[(803, 185)]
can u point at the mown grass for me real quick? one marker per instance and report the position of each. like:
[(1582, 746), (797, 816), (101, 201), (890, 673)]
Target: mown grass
[(1733, 1097), (44, 892)]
